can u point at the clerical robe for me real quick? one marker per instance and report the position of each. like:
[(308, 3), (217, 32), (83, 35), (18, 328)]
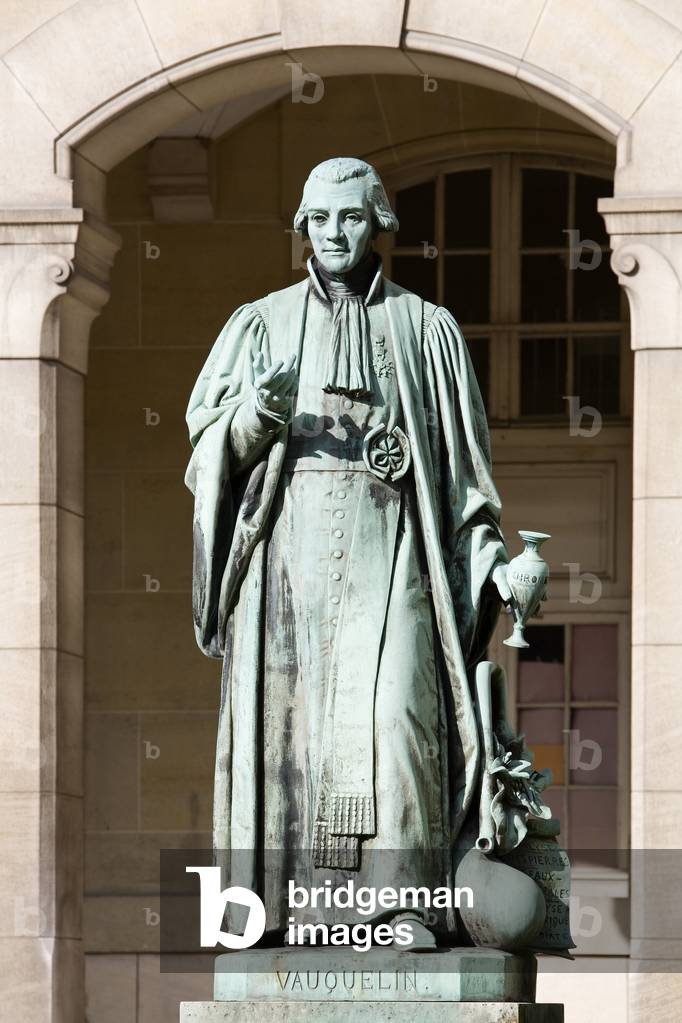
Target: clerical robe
[(346, 585)]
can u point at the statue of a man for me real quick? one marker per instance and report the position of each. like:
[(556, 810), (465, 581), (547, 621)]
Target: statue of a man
[(348, 560)]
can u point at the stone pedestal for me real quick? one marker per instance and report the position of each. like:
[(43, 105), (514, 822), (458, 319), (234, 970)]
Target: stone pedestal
[(370, 1012), (459, 985)]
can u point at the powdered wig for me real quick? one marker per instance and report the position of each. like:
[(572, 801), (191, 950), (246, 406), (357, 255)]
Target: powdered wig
[(344, 168)]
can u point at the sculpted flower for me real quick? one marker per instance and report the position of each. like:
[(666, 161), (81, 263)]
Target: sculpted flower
[(518, 795), (387, 454)]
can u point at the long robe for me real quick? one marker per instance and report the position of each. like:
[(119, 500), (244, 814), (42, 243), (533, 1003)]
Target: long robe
[(419, 611)]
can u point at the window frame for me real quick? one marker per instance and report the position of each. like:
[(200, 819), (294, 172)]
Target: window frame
[(505, 328), (508, 658)]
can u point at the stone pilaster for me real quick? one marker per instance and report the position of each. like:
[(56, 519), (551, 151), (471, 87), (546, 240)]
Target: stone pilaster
[(646, 236), (53, 272)]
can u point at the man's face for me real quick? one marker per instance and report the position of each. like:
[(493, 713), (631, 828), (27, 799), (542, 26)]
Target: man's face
[(339, 223)]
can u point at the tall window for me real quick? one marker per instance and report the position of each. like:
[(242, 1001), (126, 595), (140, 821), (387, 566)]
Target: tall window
[(515, 248), (567, 707)]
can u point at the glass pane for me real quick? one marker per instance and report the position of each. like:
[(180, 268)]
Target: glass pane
[(589, 222), (546, 644), (543, 376), (415, 273), (540, 682), (479, 350), (593, 827), (545, 208), (597, 372), (542, 725), (543, 289), (467, 209), (594, 662), (415, 208), (593, 747), (543, 729), (596, 292), (467, 288)]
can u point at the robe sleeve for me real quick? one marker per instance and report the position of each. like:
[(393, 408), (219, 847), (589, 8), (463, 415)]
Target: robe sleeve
[(227, 431), (468, 502)]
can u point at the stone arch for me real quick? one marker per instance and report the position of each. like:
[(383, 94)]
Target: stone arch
[(95, 71)]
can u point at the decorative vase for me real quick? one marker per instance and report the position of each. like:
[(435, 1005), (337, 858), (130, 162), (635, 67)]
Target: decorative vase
[(527, 576)]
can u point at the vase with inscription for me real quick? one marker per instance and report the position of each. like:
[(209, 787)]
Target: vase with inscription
[(527, 576)]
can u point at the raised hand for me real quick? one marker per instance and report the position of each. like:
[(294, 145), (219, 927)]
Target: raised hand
[(275, 385)]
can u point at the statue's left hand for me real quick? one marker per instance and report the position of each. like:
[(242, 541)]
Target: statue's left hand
[(499, 577)]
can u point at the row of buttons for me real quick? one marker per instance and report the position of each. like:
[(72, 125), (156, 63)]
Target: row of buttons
[(338, 534)]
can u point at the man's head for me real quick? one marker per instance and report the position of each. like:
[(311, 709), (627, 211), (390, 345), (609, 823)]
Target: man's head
[(344, 206)]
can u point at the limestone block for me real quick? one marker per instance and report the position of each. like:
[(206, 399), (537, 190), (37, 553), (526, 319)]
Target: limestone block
[(120, 864), (22, 425), (655, 995), (21, 683), (187, 302), (655, 597), (104, 532), (141, 651), (331, 61), (121, 923), (656, 156), (327, 24), (657, 451), (89, 186), (111, 988), (118, 324), (75, 49), (359, 127), (364, 1012), (181, 31), (42, 422), (38, 897), (590, 48), (23, 909), (69, 588), (654, 817), (176, 771), (135, 408), (20, 19), (22, 586), (128, 195), (41, 978), (112, 758), (68, 426), (162, 993), (244, 196), (41, 747), (157, 109), (431, 57), (62, 879), (68, 746), (656, 721), (158, 516), (259, 74), (478, 24), (28, 177), (181, 182)]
